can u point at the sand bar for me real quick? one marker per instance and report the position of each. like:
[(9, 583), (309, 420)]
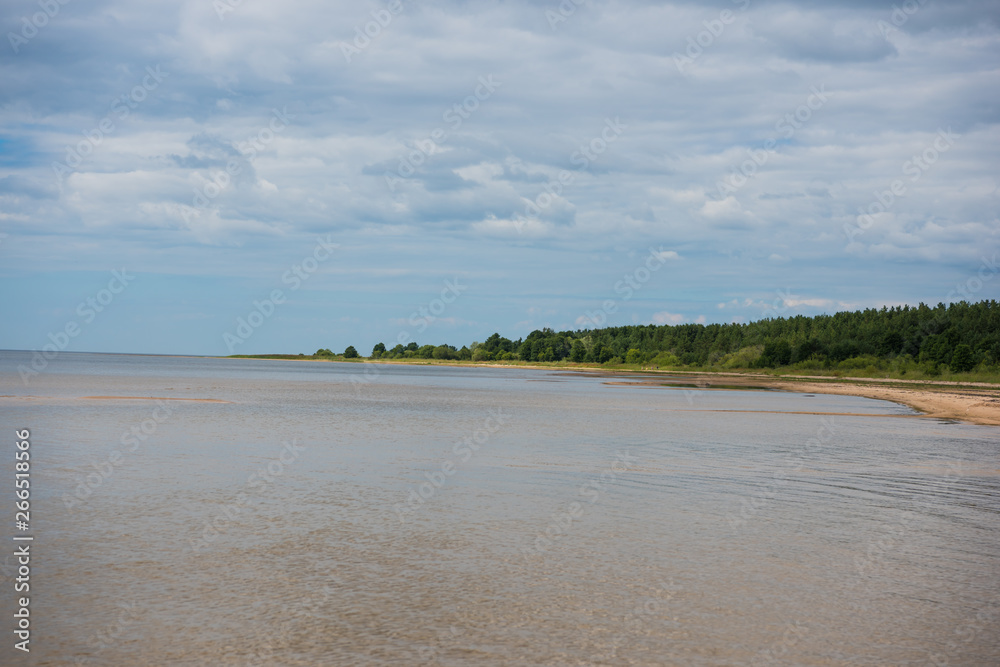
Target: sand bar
[(977, 403)]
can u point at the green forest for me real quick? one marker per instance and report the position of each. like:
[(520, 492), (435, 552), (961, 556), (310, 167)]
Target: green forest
[(920, 340), (905, 341)]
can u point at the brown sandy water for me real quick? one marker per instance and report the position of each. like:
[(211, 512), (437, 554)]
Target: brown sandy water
[(336, 514)]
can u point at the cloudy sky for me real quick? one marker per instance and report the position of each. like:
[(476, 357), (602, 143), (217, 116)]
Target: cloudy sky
[(443, 170)]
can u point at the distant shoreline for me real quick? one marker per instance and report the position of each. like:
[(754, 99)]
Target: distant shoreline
[(973, 402)]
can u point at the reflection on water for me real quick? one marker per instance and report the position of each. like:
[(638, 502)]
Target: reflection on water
[(344, 514)]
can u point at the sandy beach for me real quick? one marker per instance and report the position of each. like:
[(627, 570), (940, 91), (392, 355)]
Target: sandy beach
[(971, 404), (977, 403)]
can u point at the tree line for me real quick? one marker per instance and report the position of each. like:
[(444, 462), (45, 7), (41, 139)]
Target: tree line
[(959, 337)]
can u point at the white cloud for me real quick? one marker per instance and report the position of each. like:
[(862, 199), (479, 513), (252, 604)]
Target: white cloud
[(665, 317), (483, 172), (815, 303), (726, 209), (666, 255)]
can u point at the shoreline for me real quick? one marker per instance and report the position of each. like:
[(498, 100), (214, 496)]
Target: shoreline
[(976, 403), (976, 407), (972, 402)]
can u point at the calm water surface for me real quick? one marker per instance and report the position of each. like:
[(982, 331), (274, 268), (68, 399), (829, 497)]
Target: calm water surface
[(348, 514)]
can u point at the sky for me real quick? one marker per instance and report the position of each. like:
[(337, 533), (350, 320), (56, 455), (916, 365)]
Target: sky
[(246, 177)]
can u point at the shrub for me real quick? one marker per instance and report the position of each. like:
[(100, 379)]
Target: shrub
[(665, 359), (744, 358), (855, 363)]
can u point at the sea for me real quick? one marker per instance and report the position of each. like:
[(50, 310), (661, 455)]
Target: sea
[(206, 511)]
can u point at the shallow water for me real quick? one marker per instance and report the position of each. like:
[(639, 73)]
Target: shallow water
[(454, 516)]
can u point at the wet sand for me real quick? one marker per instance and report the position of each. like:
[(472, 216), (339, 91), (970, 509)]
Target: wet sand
[(977, 406), (976, 403)]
